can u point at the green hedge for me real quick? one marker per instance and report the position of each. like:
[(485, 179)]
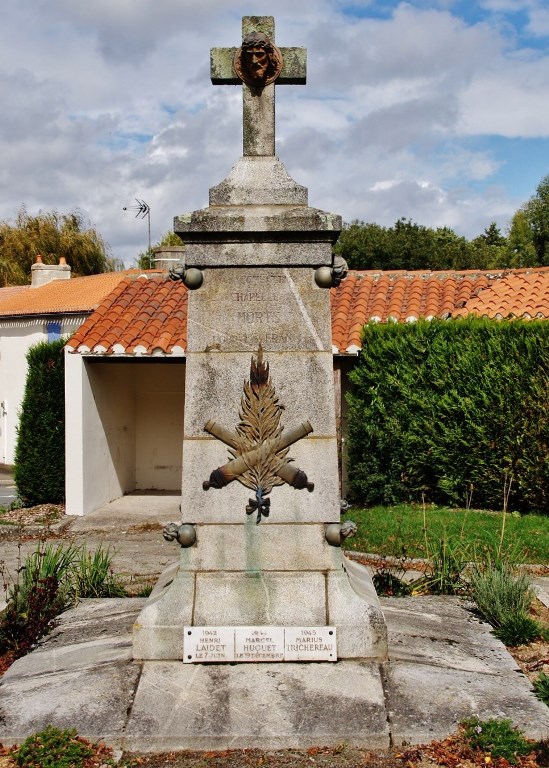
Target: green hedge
[(442, 406), (39, 470)]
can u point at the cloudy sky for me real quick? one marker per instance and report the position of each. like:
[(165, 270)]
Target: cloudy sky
[(434, 110)]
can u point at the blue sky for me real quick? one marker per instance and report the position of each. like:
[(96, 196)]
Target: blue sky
[(435, 111)]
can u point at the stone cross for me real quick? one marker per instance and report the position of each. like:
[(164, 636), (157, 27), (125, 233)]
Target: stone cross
[(258, 103)]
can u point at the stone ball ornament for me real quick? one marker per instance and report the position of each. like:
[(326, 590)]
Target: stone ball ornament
[(336, 533), (184, 534), (193, 278), (323, 277)]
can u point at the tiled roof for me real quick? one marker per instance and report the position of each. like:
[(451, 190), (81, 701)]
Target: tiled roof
[(10, 291), (520, 294), (147, 315), (407, 296), (78, 294), (144, 315)]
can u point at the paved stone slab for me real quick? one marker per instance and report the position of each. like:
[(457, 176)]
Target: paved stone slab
[(444, 666), (440, 631), (257, 705), (94, 700), (425, 702), (81, 677)]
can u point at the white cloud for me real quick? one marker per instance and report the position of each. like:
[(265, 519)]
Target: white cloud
[(107, 100)]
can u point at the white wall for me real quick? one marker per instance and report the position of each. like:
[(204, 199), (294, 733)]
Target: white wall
[(124, 428), (16, 336), (159, 404)]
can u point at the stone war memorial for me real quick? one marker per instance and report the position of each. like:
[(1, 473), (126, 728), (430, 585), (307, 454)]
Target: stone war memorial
[(264, 633)]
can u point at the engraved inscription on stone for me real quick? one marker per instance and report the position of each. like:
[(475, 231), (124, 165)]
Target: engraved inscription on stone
[(310, 644), (201, 644), (259, 644), (245, 307), (241, 644)]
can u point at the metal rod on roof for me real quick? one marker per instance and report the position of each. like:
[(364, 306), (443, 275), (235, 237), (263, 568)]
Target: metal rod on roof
[(142, 210)]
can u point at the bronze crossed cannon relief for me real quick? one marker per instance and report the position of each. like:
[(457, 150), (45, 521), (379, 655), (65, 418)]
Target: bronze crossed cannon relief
[(259, 446)]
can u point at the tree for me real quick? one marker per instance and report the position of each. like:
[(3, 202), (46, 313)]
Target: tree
[(520, 249), (52, 235), (406, 245), (491, 249), (39, 471), (146, 260), (536, 211)]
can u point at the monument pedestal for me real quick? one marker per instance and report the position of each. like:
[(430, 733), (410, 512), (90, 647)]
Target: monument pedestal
[(260, 470)]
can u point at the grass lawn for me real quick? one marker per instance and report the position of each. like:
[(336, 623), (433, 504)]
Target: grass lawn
[(398, 531)]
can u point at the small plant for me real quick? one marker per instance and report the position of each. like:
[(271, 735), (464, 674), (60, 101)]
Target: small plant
[(144, 590), (50, 580), (541, 687), (388, 583), (498, 737), (500, 594), (518, 629), (52, 748), (446, 566), (92, 575)]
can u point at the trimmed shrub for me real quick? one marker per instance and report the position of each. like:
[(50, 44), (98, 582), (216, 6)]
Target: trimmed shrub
[(39, 471), (441, 407)]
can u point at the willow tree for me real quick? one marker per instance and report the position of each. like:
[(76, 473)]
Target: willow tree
[(52, 235)]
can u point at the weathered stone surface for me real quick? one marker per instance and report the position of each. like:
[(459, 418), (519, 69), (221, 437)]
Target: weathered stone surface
[(28, 703), (246, 599), (258, 223), (426, 702), (251, 547), (237, 309), (218, 386), (316, 457), (440, 631), (158, 630), (282, 254), (81, 676), (269, 706), (259, 180), (361, 627)]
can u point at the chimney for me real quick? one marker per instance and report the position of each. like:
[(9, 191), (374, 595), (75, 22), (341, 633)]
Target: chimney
[(45, 273), (167, 256)]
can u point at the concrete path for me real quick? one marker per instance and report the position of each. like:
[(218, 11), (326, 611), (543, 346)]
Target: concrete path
[(444, 665)]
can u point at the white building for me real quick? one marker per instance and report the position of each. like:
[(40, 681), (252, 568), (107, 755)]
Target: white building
[(52, 307)]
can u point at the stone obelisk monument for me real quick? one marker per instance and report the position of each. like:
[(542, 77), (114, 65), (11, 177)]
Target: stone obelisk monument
[(261, 568)]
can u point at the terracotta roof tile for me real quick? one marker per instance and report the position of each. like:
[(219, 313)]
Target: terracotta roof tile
[(147, 315), (135, 319), (407, 296), (78, 294)]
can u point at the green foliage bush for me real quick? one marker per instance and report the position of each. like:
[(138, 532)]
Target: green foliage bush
[(498, 737), (442, 407), (503, 598), (499, 594), (39, 471), (50, 580), (541, 687), (53, 748)]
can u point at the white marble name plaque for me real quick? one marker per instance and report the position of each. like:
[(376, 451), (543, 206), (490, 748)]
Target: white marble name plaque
[(310, 644), (208, 644), (242, 644), (258, 644)]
